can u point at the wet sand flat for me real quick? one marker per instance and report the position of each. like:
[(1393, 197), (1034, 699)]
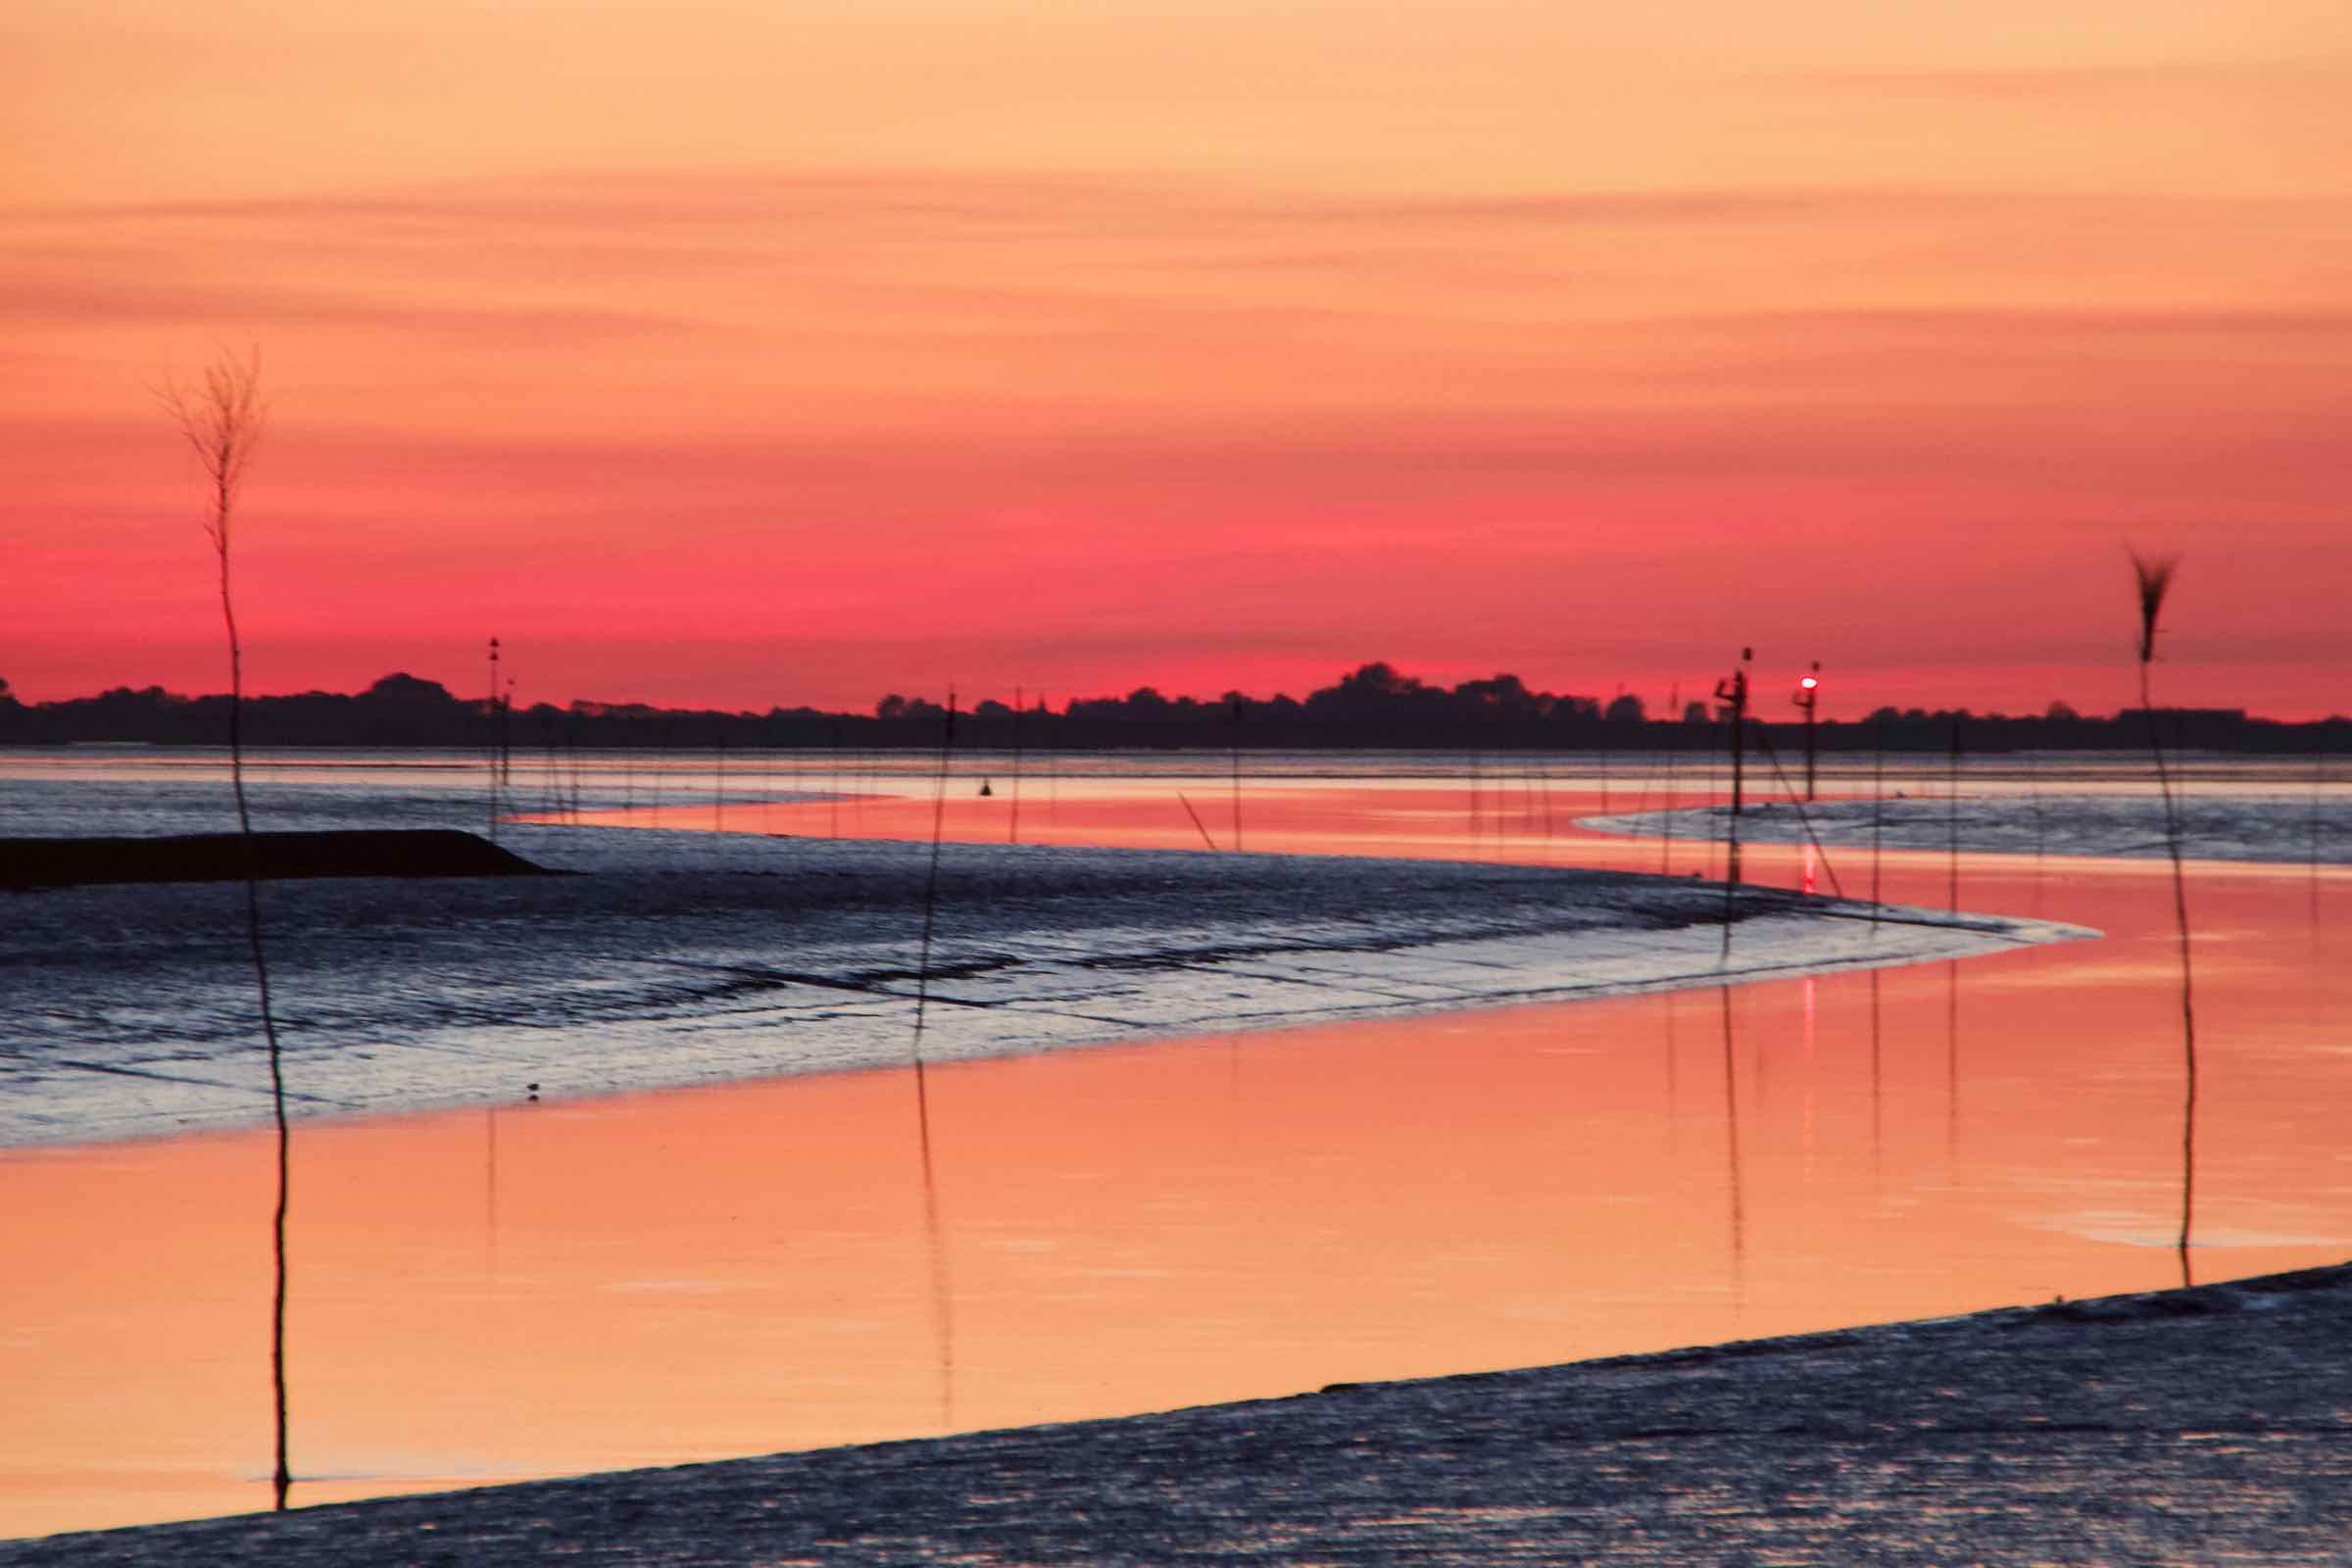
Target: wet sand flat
[(2191, 1426)]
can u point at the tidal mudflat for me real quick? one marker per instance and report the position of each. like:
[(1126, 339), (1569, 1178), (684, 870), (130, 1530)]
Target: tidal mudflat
[(537, 1288)]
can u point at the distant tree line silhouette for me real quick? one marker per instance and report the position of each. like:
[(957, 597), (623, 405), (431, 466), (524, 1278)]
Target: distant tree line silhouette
[(1374, 706)]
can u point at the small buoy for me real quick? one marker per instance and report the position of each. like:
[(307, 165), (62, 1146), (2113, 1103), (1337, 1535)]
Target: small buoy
[(984, 789)]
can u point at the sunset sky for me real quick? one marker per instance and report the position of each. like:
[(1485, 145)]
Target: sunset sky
[(737, 353)]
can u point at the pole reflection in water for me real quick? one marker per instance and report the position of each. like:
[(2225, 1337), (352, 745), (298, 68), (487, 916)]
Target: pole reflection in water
[(1951, 1061), (490, 1187), (943, 1298), (1811, 1067), (1673, 1108), (1952, 819), (1731, 1128), (1878, 1120)]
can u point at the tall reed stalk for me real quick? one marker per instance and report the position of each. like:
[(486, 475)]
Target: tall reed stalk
[(2152, 576), (220, 418)]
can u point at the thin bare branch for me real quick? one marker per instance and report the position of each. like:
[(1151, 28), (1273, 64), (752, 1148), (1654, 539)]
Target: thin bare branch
[(220, 416)]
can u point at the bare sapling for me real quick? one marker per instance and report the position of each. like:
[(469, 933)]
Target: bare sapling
[(221, 416)]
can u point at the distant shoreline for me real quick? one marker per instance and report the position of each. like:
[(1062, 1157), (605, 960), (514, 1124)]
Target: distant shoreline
[(1375, 708)]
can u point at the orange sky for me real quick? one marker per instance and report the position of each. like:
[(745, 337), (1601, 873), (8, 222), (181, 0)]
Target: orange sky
[(749, 354)]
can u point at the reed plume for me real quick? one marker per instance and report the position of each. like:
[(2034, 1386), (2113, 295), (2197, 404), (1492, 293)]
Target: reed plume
[(2154, 574)]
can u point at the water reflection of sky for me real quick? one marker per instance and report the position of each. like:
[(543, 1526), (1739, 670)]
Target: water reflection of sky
[(544, 1288)]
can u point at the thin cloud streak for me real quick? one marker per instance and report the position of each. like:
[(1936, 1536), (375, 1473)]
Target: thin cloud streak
[(54, 302), (751, 198)]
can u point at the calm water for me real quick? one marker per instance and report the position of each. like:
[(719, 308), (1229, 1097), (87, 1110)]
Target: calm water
[(553, 1287)]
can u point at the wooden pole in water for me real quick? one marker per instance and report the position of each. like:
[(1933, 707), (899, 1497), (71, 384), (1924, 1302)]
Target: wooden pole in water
[(938, 818), (1013, 828), (1878, 829), (1733, 689), (1674, 744), (1805, 821), (490, 712), (1197, 822), (1053, 758), (1237, 770), (941, 1294), (1601, 755), (2319, 776), (1952, 815), (1808, 698)]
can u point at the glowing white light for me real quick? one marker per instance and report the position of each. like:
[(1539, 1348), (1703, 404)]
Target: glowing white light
[(1809, 683)]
